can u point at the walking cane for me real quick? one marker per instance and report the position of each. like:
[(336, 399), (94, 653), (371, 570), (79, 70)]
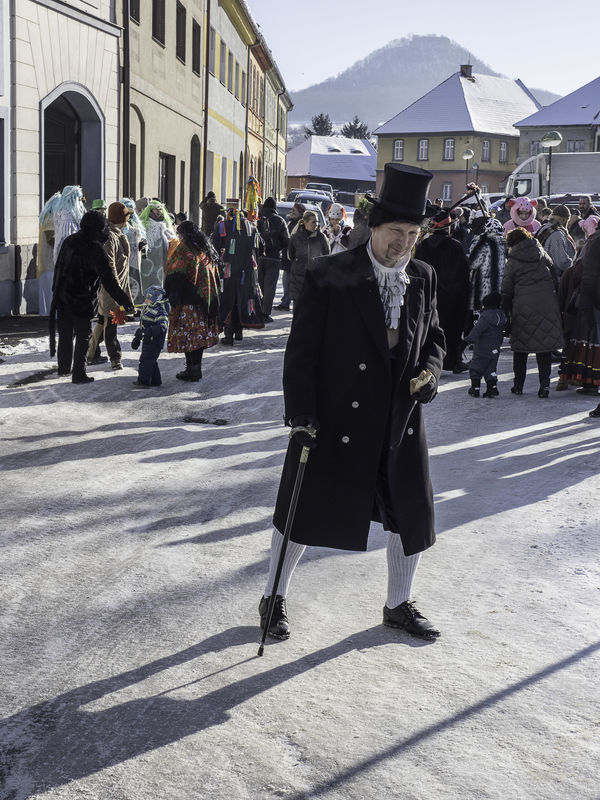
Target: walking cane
[(310, 431)]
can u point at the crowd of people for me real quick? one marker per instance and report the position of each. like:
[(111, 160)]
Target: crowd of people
[(524, 270)]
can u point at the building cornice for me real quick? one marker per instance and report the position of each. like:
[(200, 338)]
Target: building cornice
[(81, 16)]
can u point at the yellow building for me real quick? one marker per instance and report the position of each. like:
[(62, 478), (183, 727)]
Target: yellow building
[(462, 131)]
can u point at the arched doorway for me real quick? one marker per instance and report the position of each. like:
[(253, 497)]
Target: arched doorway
[(72, 142), (195, 179)]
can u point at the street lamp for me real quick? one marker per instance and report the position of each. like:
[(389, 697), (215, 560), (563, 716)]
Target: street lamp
[(467, 154), (476, 168), (550, 140)]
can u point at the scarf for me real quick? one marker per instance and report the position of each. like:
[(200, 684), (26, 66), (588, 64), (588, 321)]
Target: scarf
[(198, 270), (392, 283)]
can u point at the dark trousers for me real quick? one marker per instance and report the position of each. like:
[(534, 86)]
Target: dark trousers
[(148, 371), (544, 362), (268, 275), (80, 328)]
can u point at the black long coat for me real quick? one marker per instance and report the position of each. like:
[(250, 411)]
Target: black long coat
[(239, 256), (337, 367)]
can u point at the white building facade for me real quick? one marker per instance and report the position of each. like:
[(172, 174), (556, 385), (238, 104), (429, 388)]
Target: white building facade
[(64, 122)]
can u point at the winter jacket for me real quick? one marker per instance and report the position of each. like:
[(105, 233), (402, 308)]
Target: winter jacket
[(210, 211), (529, 297), (274, 233), (117, 249), (590, 278), (488, 332), (82, 266), (302, 250), (556, 241)]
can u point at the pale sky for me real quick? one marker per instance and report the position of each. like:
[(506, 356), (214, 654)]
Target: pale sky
[(548, 44)]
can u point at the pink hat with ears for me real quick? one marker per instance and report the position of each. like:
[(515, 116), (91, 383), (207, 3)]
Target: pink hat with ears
[(589, 225)]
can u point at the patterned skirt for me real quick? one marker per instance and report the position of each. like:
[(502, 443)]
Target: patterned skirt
[(189, 330), (582, 356)]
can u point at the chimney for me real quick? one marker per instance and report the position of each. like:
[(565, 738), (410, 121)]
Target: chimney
[(466, 71)]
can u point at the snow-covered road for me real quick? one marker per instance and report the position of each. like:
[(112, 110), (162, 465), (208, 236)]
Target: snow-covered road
[(135, 535)]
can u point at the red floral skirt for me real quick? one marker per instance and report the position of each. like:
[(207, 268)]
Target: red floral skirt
[(190, 330)]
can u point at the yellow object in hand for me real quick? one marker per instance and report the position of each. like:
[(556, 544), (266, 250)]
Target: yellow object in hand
[(420, 381)]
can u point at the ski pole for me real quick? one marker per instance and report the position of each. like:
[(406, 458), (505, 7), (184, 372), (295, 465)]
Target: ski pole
[(310, 431)]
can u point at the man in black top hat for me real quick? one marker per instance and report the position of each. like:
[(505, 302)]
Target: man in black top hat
[(364, 354)]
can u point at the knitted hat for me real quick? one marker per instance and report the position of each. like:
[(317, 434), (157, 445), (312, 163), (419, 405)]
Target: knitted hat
[(154, 293), (118, 213), (270, 203), (492, 300), (561, 213), (99, 205)]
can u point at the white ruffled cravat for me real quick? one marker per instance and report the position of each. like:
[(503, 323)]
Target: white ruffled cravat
[(392, 283)]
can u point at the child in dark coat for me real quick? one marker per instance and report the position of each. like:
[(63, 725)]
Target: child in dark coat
[(151, 333), (487, 336)]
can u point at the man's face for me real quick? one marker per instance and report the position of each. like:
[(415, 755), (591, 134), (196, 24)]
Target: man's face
[(393, 240), (583, 204)]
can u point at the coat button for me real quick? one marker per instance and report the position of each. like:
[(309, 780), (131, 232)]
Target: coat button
[(355, 404), (345, 439), (410, 431), (362, 367)]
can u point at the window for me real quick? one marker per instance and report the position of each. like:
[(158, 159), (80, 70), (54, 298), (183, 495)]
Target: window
[(180, 27), (237, 80), (423, 150), (158, 20), (134, 10), (243, 88), (223, 62), (212, 46), (447, 187), (485, 188), (448, 152), (485, 150), (196, 47), (503, 157), (166, 179), (575, 145), (535, 147), (230, 71)]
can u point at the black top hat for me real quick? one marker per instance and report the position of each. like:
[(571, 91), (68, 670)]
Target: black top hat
[(404, 193)]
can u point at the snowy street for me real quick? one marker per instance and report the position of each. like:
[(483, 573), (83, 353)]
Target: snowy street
[(135, 542)]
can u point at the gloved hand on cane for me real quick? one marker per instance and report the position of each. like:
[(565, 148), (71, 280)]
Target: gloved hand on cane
[(304, 430)]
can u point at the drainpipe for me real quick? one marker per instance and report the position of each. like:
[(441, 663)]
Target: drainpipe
[(206, 86), (126, 99), (277, 145), (246, 154)]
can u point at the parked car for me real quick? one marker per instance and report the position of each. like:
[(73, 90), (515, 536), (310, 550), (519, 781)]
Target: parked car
[(324, 187), (316, 199), (283, 209)]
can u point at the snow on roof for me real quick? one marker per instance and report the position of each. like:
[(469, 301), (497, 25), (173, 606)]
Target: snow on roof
[(333, 157), (581, 107), (482, 104)]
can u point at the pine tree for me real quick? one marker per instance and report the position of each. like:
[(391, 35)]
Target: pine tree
[(356, 129), (321, 126)]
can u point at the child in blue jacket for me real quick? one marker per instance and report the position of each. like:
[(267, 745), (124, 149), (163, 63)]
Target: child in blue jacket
[(487, 336), (151, 334)]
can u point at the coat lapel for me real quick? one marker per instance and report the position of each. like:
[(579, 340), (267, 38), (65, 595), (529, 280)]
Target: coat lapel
[(365, 294), (410, 316)]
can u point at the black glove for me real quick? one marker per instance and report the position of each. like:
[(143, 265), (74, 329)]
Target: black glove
[(426, 393), (137, 339), (303, 437)]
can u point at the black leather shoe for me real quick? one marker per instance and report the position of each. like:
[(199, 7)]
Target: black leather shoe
[(473, 391), (238, 336), (97, 360), (279, 627), (517, 389), (491, 391), (82, 379), (543, 391), (407, 617)]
